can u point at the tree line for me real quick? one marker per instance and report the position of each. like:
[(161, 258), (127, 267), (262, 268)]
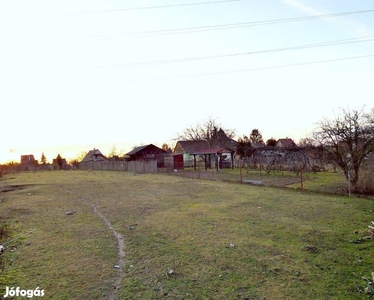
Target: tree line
[(346, 140)]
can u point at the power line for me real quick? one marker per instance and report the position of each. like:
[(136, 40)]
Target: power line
[(249, 24), (257, 69), (155, 7), (235, 25), (306, 46)]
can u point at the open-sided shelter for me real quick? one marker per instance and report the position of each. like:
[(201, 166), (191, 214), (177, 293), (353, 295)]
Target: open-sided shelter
[(183, 152), (216, 153)]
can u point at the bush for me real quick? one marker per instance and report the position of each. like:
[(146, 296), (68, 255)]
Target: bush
[(365, 184)]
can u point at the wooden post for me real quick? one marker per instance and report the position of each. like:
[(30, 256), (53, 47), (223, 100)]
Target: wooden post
[(198, 167), (241, 173)]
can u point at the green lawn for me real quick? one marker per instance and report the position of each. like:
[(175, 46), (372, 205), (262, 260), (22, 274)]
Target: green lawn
[(285, 243)]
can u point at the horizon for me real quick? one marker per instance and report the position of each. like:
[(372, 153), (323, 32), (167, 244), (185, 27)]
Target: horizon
[(82, 74), (73, 152)]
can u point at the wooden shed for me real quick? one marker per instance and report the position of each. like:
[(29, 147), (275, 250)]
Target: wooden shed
[(148, 152)]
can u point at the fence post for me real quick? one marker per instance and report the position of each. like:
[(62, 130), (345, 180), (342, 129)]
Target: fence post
[(241, 172)]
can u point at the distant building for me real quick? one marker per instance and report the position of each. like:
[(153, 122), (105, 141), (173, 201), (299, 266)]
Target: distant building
[(94, 155), (286, 143), (28, 162), (27, 159), (148, 152)]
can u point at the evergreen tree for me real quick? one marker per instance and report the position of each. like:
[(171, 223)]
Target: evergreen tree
[(43, 159)]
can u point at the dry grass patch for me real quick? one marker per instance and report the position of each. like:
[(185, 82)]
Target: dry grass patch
[(189, 239)]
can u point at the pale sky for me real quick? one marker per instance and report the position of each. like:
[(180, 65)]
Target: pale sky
[(81, 74)]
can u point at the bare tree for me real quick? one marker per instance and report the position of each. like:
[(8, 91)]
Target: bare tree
[(348, 140), (114, 154), (209, 131), (166, 148), (314, 153), (81, 155)]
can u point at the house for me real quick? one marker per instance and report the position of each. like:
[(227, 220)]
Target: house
[(27, 159), (94, 155), (148, 152), (286, 143), (28, 162)]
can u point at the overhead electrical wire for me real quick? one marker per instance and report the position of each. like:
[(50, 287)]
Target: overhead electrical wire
[(234, 25), (257, 69), (306, 46), (155, 7), (249, 24)]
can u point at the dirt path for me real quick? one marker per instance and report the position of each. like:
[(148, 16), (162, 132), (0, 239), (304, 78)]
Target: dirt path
[(120, 254)]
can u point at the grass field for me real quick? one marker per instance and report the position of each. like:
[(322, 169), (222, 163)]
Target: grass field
[(324, 182), (183, 238)]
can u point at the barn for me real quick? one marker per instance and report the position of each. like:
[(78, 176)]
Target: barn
[(148, 152)]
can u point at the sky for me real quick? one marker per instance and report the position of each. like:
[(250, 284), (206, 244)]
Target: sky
[(84, 74)]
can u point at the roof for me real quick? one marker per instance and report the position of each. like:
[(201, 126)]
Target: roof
[(92, 153), (226, 142), (27, 158), (140, 148), (192, 146), (286, 143), (137, 149), (211, 151)]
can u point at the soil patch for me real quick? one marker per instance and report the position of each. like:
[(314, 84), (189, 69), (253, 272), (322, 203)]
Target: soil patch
[(11, 188)]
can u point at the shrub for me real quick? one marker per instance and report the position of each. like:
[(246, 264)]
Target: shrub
[(365, 184)]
